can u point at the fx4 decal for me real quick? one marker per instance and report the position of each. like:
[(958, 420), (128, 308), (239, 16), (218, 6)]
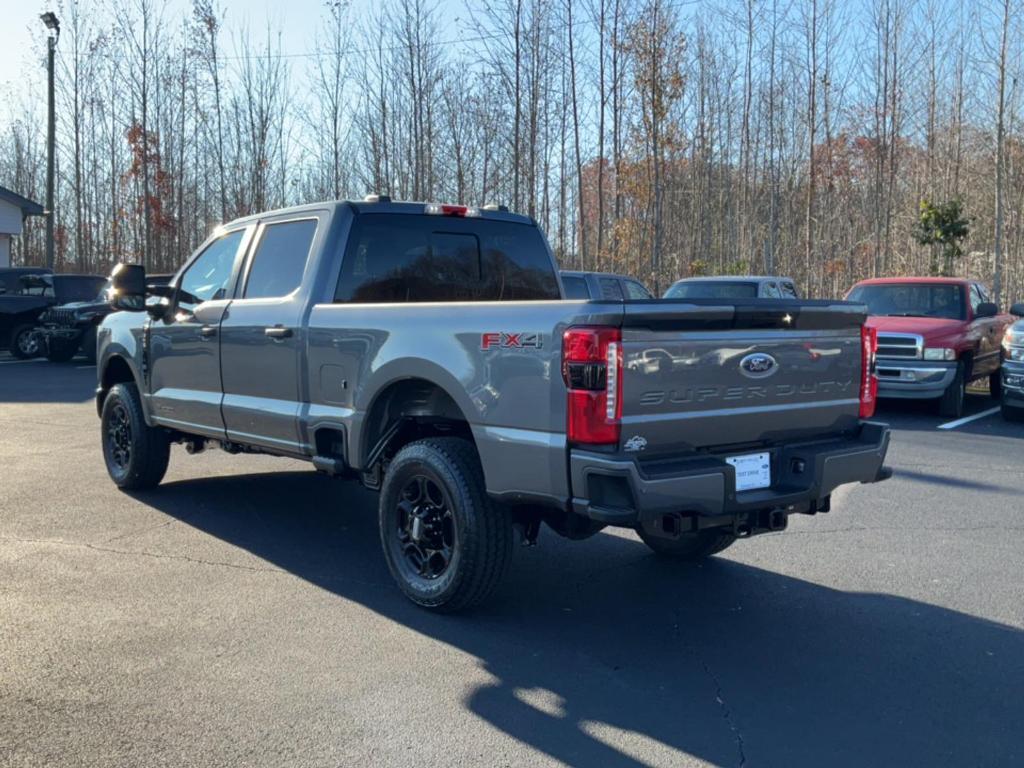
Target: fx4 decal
[(506, 340)]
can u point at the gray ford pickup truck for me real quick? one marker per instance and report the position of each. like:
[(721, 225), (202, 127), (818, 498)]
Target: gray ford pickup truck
[(426, 351)]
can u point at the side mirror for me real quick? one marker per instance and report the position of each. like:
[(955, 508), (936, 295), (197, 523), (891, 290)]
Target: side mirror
[(987, 309), (1017, 309), (128, 287)]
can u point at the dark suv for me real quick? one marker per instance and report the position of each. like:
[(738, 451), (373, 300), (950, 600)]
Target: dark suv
[(66, 328), (34, 293)]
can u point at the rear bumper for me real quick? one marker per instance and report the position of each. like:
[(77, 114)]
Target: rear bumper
[(804, 474), (914, 379)]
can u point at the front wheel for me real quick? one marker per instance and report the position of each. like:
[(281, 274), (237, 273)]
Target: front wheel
[(995, 385), (690, 547), (135, 453), (951, 404), (446, 544), (25, 342)]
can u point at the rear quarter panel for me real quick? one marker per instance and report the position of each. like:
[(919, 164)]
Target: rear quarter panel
[(511, 393)]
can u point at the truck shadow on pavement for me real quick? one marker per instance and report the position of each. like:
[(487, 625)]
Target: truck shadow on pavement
[(603, 655)]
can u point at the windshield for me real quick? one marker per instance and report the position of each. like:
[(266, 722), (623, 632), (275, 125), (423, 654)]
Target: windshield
[(35, 285), (724, 289), (911, 300)]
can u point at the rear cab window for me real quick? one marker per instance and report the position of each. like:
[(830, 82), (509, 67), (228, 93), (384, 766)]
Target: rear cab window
[(713, 289), (575, 288), (610, 288), (636, 291), (422, 258)]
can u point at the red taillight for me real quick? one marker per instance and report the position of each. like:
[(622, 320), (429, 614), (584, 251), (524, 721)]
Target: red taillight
[(868, 377), (592, 369)]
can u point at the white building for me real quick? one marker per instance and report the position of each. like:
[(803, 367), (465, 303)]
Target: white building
[(14, 209)]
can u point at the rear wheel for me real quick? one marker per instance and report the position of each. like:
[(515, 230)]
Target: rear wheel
[(446, 544), (135, 453), (690, 547), (25, 342), (951, 404)]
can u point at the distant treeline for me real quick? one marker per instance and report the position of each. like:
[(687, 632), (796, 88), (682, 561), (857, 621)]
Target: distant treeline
[(648, 137)]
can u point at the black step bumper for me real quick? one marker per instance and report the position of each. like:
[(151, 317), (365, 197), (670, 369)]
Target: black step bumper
[(804, 474)]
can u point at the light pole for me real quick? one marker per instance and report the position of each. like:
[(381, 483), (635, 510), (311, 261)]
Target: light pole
[(50, 20)]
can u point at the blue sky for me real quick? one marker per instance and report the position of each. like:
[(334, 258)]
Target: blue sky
[(22, 34)]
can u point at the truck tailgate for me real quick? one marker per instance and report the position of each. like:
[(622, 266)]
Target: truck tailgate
[(702, 375)]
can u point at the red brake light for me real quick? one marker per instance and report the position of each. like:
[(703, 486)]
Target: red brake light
[(868, 376), (443, 209), (592, 369)]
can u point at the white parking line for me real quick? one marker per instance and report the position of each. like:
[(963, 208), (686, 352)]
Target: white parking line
[(968, 419)]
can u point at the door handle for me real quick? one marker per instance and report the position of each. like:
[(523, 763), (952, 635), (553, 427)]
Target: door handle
[(278, 332), (207, 331)]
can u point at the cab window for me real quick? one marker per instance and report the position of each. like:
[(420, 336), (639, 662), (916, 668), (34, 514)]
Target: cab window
[(575, 288), (610, 289), (975, 298), (280, 259), (207, 277), (636, 291)]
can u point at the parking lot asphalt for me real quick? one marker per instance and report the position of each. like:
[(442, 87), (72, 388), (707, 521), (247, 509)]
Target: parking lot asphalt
[(242, 614)]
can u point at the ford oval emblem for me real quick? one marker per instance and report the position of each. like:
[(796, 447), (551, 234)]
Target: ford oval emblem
[(758, 365)]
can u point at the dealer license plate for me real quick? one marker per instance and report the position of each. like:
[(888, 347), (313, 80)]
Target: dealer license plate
[(754, 470)]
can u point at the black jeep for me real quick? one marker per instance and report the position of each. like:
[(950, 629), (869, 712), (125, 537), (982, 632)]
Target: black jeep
[(32, 295), (66, 328)]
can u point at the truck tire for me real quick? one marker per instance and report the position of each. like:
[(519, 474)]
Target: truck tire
[(89, 345), (995, 385), (690, 547), (951, 404), (446, 544), (25, 342), (136, 454), (60, 351)]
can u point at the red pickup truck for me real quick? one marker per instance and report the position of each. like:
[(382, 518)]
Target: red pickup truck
[(935, 335)]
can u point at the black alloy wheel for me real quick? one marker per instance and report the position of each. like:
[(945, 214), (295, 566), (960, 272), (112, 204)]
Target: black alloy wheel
[(25, 342), (424, 528), (119, 437)]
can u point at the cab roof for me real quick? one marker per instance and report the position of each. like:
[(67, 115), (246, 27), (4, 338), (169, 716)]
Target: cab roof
[(383, 205)]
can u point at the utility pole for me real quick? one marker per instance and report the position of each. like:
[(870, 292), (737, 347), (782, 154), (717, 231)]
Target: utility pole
[(50, 20)]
